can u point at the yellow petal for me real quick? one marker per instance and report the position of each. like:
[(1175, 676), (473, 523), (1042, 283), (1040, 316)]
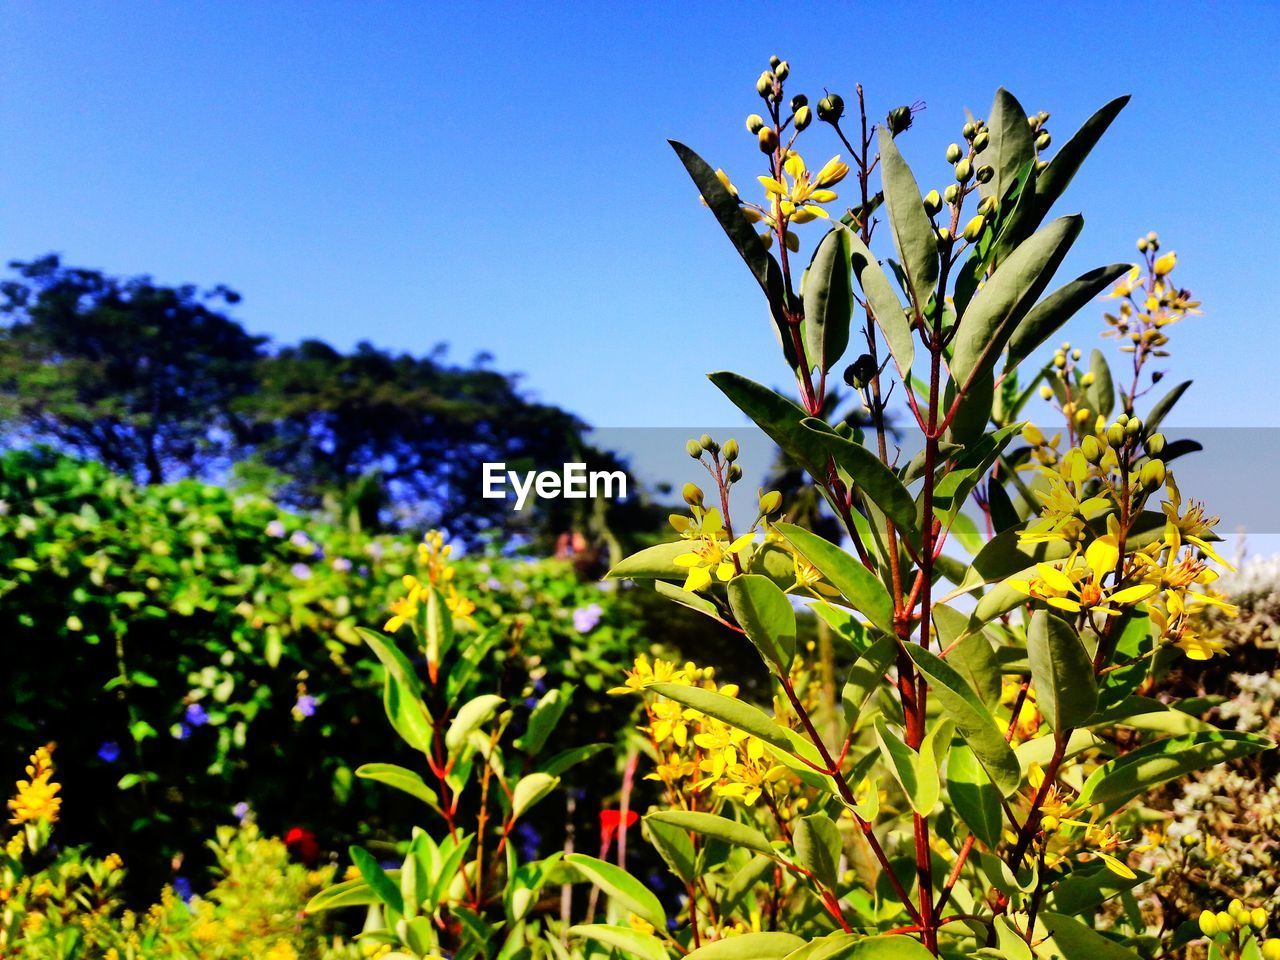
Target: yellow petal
[(1116, 866), (772, 186), (1102, 556), (1132, 594), (1062, 603), (698, 578), (687, 560), (1054, 578), (725, 571), (794, 165)]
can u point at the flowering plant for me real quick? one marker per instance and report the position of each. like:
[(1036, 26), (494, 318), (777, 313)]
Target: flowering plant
[(972, 789)]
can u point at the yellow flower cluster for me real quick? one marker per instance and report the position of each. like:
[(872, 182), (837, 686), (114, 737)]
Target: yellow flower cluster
[(1238, 924), (433, 558), (1064, 835), (37, 800), (710, 550), (696, 753), (1149, 303)]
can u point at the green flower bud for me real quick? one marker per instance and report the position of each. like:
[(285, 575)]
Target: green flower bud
[(1208, 923), (764, 85), (981, 140), (1235, 908), (1075, 354), (1115, 435), (774, 61), (985, 173), (1043, 141), (1059, 360), (963, 170), (731, 450), (782, 70), (1046, 392), (1087, 379), (692, 494), (1142, 244), (951, 193), (735, 473), (932, 202), (1152, 474), (1153, 239), (954, 153), (708, 444), (770, 503), (989, 205), (1133, 427), (1091, 449), (694, 449), (899, 120), (768, 139), (755, 123), (1155, 444), (804, 116), (968, 130), (1042, 166), (798, 101), (831, 108), (973, 229), (944, 235)]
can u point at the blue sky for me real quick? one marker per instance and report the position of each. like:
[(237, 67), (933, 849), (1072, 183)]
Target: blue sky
[(496, 175)]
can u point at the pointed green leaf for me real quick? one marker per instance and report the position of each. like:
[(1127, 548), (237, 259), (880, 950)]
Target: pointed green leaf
[(1044, 319), (626, 890), (749, 946), (1011, 146), (867, 676), (1061, 671), (742, 716), (777, 416), (472, 714), (529, 790), (885, 306), (913, 234), (652, 563), (400, 778), (1077, 941), (819, 847), (720, 828), (969, 652), (1053, 181), (870, 473), (632, 942), (916, 773), (1160, 409), (765, 613), (546, 714), (1102, 392), (387, 889), (828, 299), (976, 799)]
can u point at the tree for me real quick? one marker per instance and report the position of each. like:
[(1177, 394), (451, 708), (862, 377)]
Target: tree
[(137, 375)]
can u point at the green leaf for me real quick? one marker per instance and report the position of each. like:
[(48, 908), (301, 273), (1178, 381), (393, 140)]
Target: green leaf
[(386, 889), (565, 759), (997, 309), (1160, 409), (870, 473), (472, 714), (742, 716), (916, 773), (912, 232), (866, 676), (777, 416), (652, 563), (1118, 781), (851, 946), (393, 659), (626, 890), (407, 714), (543, 719), (1102, 392), (632, 942), (1011, 147), (1066, 689), (1053, 181), (1076, 941), (400, 778), (858, 585), (885, 306), (819, 847), (674, 846), (529, 790), (765, 613), (1088, 886), (1044, 319), (969, 652), (721, 828), (972, 719), (349, 893), (828, 299), (749, 946), (975, 798)]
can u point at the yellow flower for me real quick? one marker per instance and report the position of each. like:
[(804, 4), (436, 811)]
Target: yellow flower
[(1193, 524), (799, 200), (37, 799), (1164, 264), (281, 950), (1064, 508), (808, 577), (671, 722), (711, 552), (640, 924), (1178, 626), (642, 673), (1077, 588)]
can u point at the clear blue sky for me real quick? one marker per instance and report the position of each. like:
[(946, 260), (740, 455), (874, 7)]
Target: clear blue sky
[(496, 175)]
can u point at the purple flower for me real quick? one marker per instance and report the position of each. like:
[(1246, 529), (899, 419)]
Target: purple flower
[(182, 732), (586, 618), (109, 752), (241, 811), (301, 571), (275, 529), (306, 706), (300, 539), (182, 887), (341, 564), (195, 715)]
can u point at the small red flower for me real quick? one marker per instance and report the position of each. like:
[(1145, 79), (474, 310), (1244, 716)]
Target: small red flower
[(611, 821), (303, 845)]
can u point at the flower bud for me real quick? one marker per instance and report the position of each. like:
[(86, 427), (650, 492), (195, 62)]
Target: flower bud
[(1087, 379), (1235, 908), (708, 444), (768, 139), (859, 373), (831, 108), (1152, 474), (973, 229), (692, 494), (951, 193), (1059, 360), (932, 202), (770, 503), (774, 61), (985, 173), (1258, 918), (1043, 141), (1032, 434), (798, 101), (731, 450), (1271, 950), (782, 70), (764, 85), (981, 140), (988, 206), (735, 473), (968, 130), (1142, 244), (694, 449), (1115, 435), (963, 170), (1046, 392), (1091, 449), (804, 116), (954, 153), (1208, 923), (1133, 427), (1153, 239), (1226, 922), (755, 123), (944, 235), (899, 120), (1155, 444), (1049, 823), (1042, 166)]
